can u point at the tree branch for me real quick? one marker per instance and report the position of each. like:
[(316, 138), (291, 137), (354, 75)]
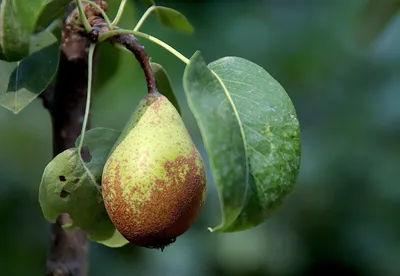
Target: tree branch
[(68, 249), (65, 100)]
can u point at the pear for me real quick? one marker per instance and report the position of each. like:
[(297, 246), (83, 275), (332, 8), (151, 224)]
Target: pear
[(154, 181)]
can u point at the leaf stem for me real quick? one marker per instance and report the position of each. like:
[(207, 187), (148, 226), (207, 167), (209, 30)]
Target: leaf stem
[(54, 25), (159, 42), (144, 17), (88, 95), (119, 14), (103, 14), (82, 15)]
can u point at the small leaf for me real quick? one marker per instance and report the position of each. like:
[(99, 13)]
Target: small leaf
[(164, 84), (70, 185), (173, 19), (17, 23), (53, 9), (22, 81), (251, 134)]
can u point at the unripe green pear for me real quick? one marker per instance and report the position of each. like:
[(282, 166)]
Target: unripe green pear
[(154, 181)]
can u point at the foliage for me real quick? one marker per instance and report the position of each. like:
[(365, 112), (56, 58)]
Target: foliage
[(235, 100), (253, 172), (345, 98), (22, 81)]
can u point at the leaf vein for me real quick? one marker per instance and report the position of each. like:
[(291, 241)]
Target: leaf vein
[(240, 127)]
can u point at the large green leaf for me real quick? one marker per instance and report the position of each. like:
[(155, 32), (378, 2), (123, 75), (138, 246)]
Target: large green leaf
[(22, 81), (164, 84), (251, 134), (71, 185), (17, 23), (173, 19)]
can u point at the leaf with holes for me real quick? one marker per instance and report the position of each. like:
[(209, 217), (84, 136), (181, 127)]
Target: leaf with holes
[(251, 133), (71, 185), (22, 81), (17, 24), (164, 84), (173, 19)]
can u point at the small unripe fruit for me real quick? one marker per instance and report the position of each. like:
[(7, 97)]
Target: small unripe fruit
[(154, 181)]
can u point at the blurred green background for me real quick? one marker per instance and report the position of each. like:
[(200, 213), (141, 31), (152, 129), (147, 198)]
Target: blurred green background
[(343, 215)]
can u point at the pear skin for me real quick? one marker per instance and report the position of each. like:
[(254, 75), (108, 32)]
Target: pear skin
[(154, 181)]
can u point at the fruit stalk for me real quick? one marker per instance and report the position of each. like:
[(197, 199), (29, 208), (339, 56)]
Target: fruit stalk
[(128, 42), (132, 44)]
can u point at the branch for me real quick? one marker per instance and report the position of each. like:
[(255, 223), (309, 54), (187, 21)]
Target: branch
[(65, 100), (68, 252)]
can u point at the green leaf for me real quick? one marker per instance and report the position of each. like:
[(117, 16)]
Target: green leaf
[(251, 134), (70, 185), (116, 240), (17, 24), (53, 9), (22, 81), (164, 84), (173, 19)]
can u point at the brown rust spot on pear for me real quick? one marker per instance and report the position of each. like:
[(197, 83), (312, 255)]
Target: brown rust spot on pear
[(171, 209)]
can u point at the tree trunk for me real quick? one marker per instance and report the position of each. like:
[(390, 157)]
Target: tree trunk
[(66, 100)]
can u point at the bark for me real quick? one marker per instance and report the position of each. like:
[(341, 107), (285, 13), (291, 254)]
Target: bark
[(65, 100), (68, 252)]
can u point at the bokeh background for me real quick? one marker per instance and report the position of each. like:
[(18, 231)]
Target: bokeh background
[(340, 66)]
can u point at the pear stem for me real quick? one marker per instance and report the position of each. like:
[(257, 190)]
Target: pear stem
[(130, 42)]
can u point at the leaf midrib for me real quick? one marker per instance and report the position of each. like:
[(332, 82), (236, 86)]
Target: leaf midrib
[(235, 111)]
